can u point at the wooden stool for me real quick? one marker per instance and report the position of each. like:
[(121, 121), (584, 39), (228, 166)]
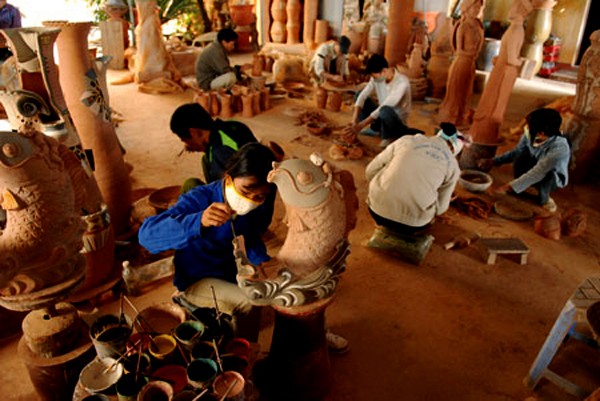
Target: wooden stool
[(573, 312), (411, 248), (497, 246)]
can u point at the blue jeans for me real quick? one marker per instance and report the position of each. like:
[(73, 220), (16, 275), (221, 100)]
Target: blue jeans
[(525, 162), (388, 124)]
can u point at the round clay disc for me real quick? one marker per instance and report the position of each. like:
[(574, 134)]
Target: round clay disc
[(513, 210)]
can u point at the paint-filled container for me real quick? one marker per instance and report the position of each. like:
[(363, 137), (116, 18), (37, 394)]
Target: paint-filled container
[(101, 375), (229, 385), (96, 397), (161, 318), (175, 375), (201, 372), (235, 363), (128, 387), (162, 348), (109, 335), (189, 333), (238, 346), (203, 349), (136, 362), (156, 391)]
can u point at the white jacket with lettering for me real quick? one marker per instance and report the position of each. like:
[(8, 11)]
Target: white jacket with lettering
[(411, 181)]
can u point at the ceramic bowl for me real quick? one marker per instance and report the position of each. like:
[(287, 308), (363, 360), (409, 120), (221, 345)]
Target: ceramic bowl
[(475, 181), (316, 128), (163, 198)]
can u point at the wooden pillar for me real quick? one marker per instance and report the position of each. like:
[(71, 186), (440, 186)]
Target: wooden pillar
[(399, 23)]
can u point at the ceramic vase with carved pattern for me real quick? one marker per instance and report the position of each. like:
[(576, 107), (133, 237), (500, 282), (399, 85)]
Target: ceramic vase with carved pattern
[(278, 27), (293, 9)]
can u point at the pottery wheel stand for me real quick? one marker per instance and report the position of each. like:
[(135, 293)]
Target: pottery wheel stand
[(297, 368)]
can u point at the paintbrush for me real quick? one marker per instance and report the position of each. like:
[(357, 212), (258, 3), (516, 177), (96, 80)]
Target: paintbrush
[(216, 304), (228, 390), (196, 398), (123, 355), (217, 355)]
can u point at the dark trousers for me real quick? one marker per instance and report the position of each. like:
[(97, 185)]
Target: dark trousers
[(525, 162), (395, 226), (389, 124)]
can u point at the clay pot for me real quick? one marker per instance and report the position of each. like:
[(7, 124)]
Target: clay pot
[(293, 9), (265, 99), (321, 31), (215, 107), (335, 101), (548, 226), (574, 223), (203, 99), (226, 111), (258, 65), (321, 98), (247, 110), (269, 63), (278, 32), (242, 14), (256, 103)]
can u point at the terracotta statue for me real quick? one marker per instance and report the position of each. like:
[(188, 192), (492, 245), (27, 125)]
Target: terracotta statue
[(467, 39), (375, 14), (494, 99), (419, 36), (583, 125), (441, 51), (40, 236), (537, 30), (152, 60), (116, 9), (320, 212)]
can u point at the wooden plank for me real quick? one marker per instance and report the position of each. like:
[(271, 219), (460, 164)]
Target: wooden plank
[(112, 43)]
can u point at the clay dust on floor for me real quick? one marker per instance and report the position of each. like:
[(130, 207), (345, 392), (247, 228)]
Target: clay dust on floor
[(452, 328)]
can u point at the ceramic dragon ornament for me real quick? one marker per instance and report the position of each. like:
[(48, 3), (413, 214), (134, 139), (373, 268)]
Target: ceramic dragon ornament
[(321, 209)]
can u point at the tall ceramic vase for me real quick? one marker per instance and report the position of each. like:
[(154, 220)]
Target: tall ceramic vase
[(311, 10), (278, 27), (92, 117), (293, 9)]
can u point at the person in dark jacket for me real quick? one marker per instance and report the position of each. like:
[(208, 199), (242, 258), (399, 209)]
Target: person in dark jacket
[(213, 70), (218, 139)]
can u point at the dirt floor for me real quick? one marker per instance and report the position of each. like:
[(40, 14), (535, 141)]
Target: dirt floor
[(453, 328)]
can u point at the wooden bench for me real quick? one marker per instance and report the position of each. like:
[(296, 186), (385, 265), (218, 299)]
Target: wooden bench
[(496, 246)]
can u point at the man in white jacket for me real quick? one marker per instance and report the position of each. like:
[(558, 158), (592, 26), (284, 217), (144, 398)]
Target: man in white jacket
[(388, 115), (412, 180), (330, 61)]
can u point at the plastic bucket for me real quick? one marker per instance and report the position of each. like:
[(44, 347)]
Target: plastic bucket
[(109, 335)]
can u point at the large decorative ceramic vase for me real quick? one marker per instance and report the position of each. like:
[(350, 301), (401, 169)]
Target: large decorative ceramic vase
[(396, 39), (293, 11), (41, 105), (537, 30), (311, 10), (489, 113), (321, 209), (279, 15), (583, 125), (241, 14), (321, 31), (91, 113)]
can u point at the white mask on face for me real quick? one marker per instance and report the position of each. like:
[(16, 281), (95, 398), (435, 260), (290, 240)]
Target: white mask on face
[(238, 202), (379, 79)]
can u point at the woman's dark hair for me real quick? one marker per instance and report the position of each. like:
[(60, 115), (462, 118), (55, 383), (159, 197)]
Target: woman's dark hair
[(544, 120), (251, 160), (190, 115), (227, 35), (376, 63)]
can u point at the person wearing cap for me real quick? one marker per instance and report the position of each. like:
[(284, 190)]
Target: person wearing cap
[(218, 139), (213, 70), (330, 61), (540, 160), (411, 181), (388, 116), (10, 17)]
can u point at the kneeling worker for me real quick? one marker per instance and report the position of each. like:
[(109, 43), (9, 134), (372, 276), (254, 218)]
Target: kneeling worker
[(330, 61), (213, 70)]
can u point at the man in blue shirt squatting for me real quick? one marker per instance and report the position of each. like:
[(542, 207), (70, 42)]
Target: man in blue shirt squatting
[(540, 160)]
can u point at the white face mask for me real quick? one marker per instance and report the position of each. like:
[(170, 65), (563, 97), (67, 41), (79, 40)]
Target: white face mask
[(379, 79), (238, 202)]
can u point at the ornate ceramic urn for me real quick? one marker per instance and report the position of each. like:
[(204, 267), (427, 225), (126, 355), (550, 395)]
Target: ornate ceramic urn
[(320, 207)]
